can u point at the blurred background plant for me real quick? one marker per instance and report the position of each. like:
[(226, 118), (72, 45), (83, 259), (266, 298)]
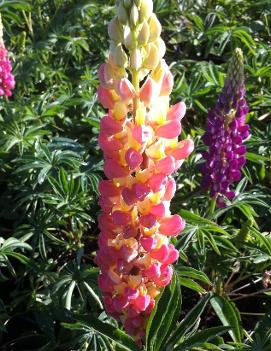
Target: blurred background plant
[(50, 165)]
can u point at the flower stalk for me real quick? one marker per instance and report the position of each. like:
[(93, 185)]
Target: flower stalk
[(225, 134), (139, 139)]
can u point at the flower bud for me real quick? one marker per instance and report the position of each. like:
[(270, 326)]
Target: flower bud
[(115, 31), (161, 46), (144, 34), (155, 28), (122, 14), (120, 57), (128, 38), (136, 59), (134, 16), (146, 9), (152, 58)]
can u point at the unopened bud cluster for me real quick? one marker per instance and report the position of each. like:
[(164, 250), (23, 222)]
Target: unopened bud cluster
[(139, 139)]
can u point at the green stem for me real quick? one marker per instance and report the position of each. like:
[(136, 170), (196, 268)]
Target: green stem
[(212, 206), (135, 82)]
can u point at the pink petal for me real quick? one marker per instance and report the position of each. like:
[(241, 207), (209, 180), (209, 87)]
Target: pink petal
[(141, 134), (172, 225), (133, 158), (167, 84), (128, 196), (109, 145), (125, 89), (148, 243), (121, 217), (105, 97), (161, 254), (107, 188), (170, 190), (142, 302), (173, 255), (166, 275), (150, 307), (153, 272), (166, 165), (169, 130), (141, 191), (131, 294), (177, 111), (110, 126), (120, 302), (113, 170), (183, 150), (157, 182), (147, 91), (158, 210), (147, 221)]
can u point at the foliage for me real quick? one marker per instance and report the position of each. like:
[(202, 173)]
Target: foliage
[(50, 165)]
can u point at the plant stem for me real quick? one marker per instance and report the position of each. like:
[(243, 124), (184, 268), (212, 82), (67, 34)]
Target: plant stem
[(212, 205)]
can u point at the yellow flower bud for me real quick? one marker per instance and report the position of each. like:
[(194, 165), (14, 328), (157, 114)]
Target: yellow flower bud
[(155, 28), (115, 31), (134, 16), (140, 116), (161, 46), (120, 110), (144, 34), (120, 57), (136, 59), (122, 14), (146, 9), (152, 57)]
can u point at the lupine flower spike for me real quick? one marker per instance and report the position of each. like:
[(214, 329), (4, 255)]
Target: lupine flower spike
[(7, 82), (139, 139), (226, 131)]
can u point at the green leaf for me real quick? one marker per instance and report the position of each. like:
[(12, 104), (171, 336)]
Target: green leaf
[(229, 316), (164, 316), (201, 337), (109, 331), (189, 321)]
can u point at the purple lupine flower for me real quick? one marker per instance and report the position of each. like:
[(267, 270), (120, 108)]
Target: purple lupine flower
[(7, 81), (225, 133)]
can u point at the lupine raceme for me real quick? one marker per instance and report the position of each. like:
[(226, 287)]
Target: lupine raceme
[(7, 82), (225, 133), (139, 139)]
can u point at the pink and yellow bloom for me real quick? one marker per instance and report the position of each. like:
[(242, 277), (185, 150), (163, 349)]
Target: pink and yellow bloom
[(139, 139), (7, 82)]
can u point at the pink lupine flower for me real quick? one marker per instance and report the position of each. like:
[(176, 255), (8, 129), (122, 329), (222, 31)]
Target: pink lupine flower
[(7, 81), (139, 139)]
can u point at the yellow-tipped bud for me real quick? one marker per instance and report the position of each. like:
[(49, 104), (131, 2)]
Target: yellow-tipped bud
[(136, 59), (155, 28), (120, 110), (146, 9), (161, 46), (122, 14), (134, 16), (115, 31), (120, 57), (152, 57), (144, 34)]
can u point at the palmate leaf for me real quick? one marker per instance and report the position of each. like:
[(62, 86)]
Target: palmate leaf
[(164, 316), (105, 329)]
